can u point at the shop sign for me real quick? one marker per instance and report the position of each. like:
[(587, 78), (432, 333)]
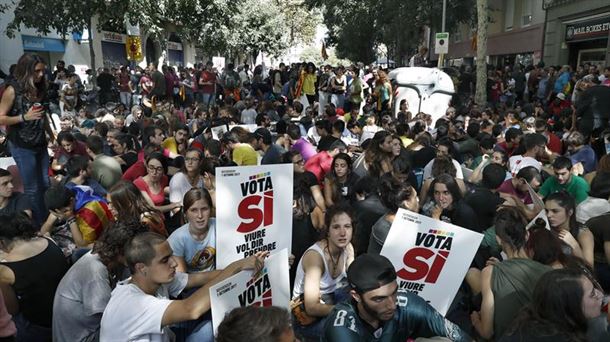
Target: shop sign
[(113, 37), (587, 30), (174, 46)]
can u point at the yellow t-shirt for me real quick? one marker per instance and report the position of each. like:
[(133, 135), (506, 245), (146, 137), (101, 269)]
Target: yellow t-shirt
[(406, 141), (170, 144), (309, 84), (244, 154)]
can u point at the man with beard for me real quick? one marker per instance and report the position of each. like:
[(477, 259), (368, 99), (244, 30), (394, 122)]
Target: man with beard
[(379, 312), (180, 138)]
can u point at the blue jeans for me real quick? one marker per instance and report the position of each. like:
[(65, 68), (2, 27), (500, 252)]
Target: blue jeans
[(33, 165), (30, 332), (208, 99)]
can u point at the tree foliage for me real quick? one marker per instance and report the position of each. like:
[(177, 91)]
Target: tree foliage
[(358, 27)]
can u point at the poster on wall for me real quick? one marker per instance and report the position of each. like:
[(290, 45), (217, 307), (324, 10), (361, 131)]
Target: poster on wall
[(431, 257), (269, 287), (253, 211)]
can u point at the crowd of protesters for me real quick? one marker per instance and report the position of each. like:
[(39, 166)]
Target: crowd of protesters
[(113, 235)]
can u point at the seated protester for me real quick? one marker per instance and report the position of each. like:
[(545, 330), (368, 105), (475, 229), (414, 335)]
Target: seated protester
[(320, 276), (77, 217), (127, 202), (442, 165), (377, 158), (104, 169), (300, 143), (125, 147), (155, 185), (12, 202), (256, 324), (138, 169), (320, 164), (82, 294), (581, 152), (194, 244), (562, 303), (272, 153), (449, 206), (485, 149), (506, 286), (339, 182), (445, 148), (600, 179), (324, 129), (394, 194), (189, 177), (545, 247), (553, 142), (140, 309), (155, 135), (535, 148), (178, 143), (30, 270), (512, 137), (377, 311), (561, 212), (564, 180), (517, 189), (238, 145), (68, 147), (600, 228), (369, 209), (307, 178), (78, 172), (497, 157), (485, 198), (307, 221)]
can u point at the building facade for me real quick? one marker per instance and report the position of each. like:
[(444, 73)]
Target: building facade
[(108, 47), (515, 33), (577, 32)]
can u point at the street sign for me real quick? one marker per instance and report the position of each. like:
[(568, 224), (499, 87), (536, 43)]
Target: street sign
[(442, 43)]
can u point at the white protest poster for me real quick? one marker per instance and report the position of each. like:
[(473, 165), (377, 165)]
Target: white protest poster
[(541, 215), (218, 131), (270, 287), (431, 257), (249, 127), (253, 211)]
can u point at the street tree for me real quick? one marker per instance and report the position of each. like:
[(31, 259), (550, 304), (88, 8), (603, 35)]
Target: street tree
[(483, 17)]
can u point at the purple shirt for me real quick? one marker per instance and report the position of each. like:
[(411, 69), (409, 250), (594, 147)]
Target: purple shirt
[(305, 148)]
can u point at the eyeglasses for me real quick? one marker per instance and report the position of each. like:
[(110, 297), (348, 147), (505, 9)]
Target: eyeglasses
[(300, 161), (157, 169), (194, 160)]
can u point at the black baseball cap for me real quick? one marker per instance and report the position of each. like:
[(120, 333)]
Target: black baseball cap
[(263, 133), (369, 272)]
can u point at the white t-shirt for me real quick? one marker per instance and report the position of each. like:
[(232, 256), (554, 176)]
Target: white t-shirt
[(459, 174), (516, 163), (248, 116), (132, 315), (179, 185)]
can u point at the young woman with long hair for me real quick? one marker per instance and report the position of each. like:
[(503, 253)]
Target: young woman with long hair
[(23, 111), (127, 203), (339, 182)]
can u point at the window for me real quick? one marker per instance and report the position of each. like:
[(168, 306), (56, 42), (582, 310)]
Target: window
[(509, 15), (527, 9)]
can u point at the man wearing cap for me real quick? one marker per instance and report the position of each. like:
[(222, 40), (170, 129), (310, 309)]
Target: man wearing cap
[(378, 312), (272, 153)]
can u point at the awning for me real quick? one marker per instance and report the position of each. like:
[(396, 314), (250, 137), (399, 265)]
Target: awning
[(33, 43)]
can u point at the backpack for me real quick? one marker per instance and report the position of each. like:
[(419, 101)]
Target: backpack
[(231, 80)]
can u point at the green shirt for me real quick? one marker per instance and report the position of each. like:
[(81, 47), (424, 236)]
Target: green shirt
[(577, 187)]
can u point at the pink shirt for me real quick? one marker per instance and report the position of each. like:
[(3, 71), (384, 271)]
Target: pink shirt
[(158, 198)]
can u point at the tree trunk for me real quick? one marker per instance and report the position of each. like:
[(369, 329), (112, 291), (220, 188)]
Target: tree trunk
[(91, 50), (482, 14)]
